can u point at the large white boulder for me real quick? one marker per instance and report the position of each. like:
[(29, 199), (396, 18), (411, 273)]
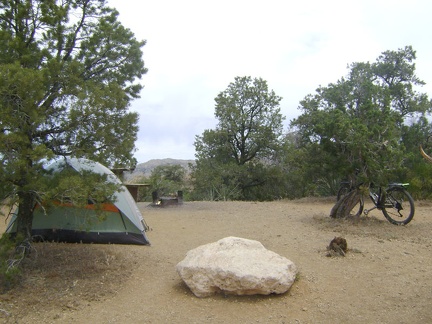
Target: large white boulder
[(236, 266)]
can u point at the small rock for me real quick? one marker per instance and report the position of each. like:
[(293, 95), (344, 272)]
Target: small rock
[(337, 246)]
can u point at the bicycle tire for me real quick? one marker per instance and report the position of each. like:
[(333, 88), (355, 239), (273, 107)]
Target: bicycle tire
[(398, 208), (358, 208)]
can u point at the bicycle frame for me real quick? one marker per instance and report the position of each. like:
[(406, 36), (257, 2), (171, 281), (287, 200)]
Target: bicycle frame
[(377, 199)]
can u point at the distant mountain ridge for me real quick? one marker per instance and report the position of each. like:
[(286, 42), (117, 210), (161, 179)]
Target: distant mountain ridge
[(145, 169)]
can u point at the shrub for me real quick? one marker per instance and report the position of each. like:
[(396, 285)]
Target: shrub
[(10, 272)]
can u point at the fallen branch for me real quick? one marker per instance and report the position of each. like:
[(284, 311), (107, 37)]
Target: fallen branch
[(21, 251), (4, 312)]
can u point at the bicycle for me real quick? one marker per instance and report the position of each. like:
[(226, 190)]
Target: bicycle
[(395, 202)]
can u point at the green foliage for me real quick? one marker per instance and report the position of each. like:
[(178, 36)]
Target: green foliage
[(249, 118), (168, 179), (233, 159), (216, 181), (77, 188), (68, 73), (416, 168), (9, 274), (263, 182), (356, 126)]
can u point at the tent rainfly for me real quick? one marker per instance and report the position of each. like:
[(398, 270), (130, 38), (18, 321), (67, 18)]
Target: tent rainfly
[(122, 222)]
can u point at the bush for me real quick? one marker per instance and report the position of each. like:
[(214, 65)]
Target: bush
[(10, 272)]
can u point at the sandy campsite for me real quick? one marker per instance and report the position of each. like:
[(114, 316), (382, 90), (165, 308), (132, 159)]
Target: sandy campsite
[(384, 278)]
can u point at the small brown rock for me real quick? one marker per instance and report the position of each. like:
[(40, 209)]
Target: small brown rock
[(338, 245)]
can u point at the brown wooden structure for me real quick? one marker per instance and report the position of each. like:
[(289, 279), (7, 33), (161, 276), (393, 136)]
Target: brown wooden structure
[(166, 201), (132, 187)]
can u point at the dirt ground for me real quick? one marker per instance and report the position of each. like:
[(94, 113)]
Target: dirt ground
[(384, 278)]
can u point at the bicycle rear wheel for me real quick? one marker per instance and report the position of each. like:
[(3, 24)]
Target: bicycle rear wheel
[(399, 206)]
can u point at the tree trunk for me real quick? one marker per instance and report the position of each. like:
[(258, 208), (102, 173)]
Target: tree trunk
[(25, 215), (346, 204)]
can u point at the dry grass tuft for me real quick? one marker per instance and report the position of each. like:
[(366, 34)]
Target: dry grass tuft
[(60, 275)]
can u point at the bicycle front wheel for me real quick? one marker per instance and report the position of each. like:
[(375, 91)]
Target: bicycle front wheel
[(399, 206)]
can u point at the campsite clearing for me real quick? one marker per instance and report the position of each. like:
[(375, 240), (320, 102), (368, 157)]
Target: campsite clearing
[(385, 276)]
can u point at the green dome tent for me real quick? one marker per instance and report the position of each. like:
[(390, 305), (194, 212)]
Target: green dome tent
[(122, 222)]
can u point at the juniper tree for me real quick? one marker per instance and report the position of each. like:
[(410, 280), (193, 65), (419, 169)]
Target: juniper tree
[(68, 72)]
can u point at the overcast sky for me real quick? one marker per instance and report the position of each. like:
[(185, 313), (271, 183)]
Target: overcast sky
[(195, 48)]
